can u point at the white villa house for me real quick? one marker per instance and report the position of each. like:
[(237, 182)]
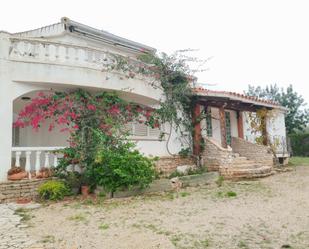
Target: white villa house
[(69, 55)]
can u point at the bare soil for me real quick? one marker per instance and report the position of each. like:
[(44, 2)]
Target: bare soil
[(267, 213)]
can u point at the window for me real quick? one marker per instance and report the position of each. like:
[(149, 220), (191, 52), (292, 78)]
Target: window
[(140, 130), (209, 123)]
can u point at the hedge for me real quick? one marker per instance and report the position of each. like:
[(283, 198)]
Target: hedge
[(300, 144)]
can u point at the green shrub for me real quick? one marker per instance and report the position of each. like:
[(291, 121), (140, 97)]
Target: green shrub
[(53, 190), (121, 167), (300, 144)]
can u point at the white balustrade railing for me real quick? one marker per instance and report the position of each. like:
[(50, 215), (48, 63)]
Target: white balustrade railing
[(32, 49), (35, 157)]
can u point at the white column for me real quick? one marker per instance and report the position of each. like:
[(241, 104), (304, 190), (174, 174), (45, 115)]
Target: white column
[(6, 108)]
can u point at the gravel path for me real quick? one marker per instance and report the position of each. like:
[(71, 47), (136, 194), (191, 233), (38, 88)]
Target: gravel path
[(270, 213), (12, 228)]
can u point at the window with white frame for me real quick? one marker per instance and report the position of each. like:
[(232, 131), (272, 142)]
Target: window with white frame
[(208, 122), (141, 131)]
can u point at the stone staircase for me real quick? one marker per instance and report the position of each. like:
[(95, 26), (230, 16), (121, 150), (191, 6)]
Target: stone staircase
[(233, 165), (244, 168), (258, 153)]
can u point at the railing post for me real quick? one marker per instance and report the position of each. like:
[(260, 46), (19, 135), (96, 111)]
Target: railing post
[(28, 165), (38, 161), (17, 158), (46, 164), (55, 160)]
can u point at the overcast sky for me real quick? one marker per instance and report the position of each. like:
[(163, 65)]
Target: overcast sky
[(251, 42)]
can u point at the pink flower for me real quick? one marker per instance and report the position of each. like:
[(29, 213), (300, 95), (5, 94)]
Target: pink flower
[(91, 107), (19, 123), (114, 110)]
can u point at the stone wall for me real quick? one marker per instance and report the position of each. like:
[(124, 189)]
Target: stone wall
[(15, 190), (258, 153), (215, 156), (167, 165)]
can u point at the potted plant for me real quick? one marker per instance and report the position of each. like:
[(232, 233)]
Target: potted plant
[(16, 173), (44, 173), (85, 182)]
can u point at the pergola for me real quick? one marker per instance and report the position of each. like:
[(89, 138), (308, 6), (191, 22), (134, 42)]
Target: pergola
[(232, 101)]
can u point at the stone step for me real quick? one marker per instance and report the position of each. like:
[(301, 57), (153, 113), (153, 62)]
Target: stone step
[(246, 166), (252, 154), (237, 173)]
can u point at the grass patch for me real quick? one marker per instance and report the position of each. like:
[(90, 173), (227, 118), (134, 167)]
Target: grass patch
[(104, 227), (221, 194), (299, 161), (202, 243), (23, 213), (175, 239), (184, 194), (242, 244), (219, 181), (48, 239), (77, 217), (231, 194)]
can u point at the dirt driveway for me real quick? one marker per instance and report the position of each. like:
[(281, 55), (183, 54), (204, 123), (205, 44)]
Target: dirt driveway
[(269, 213)]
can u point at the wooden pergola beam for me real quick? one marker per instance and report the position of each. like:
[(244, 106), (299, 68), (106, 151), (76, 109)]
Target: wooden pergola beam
[(230, 104), (222, 127), (197, 132)]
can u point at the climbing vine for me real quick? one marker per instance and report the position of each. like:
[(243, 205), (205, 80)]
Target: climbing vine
[(257, 121), (174, 76)]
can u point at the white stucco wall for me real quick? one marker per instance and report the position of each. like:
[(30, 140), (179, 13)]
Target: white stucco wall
[(275, 125), (35, 66), (277, 130)]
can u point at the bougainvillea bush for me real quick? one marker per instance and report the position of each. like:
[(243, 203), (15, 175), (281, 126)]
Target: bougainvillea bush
[(95, 122)]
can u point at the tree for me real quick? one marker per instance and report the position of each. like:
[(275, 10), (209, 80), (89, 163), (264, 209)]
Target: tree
[(297, 117)]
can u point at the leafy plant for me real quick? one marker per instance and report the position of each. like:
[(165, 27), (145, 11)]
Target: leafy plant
[(184, 152), (300, 144), (120, 166), (219, 181), (53, 190), (73, 179)]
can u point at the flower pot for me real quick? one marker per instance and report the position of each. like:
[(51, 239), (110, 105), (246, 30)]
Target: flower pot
[(17, 176), (44, 173), (85, 191)]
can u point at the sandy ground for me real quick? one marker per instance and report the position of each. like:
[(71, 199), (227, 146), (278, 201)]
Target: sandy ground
[(268, 213)]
